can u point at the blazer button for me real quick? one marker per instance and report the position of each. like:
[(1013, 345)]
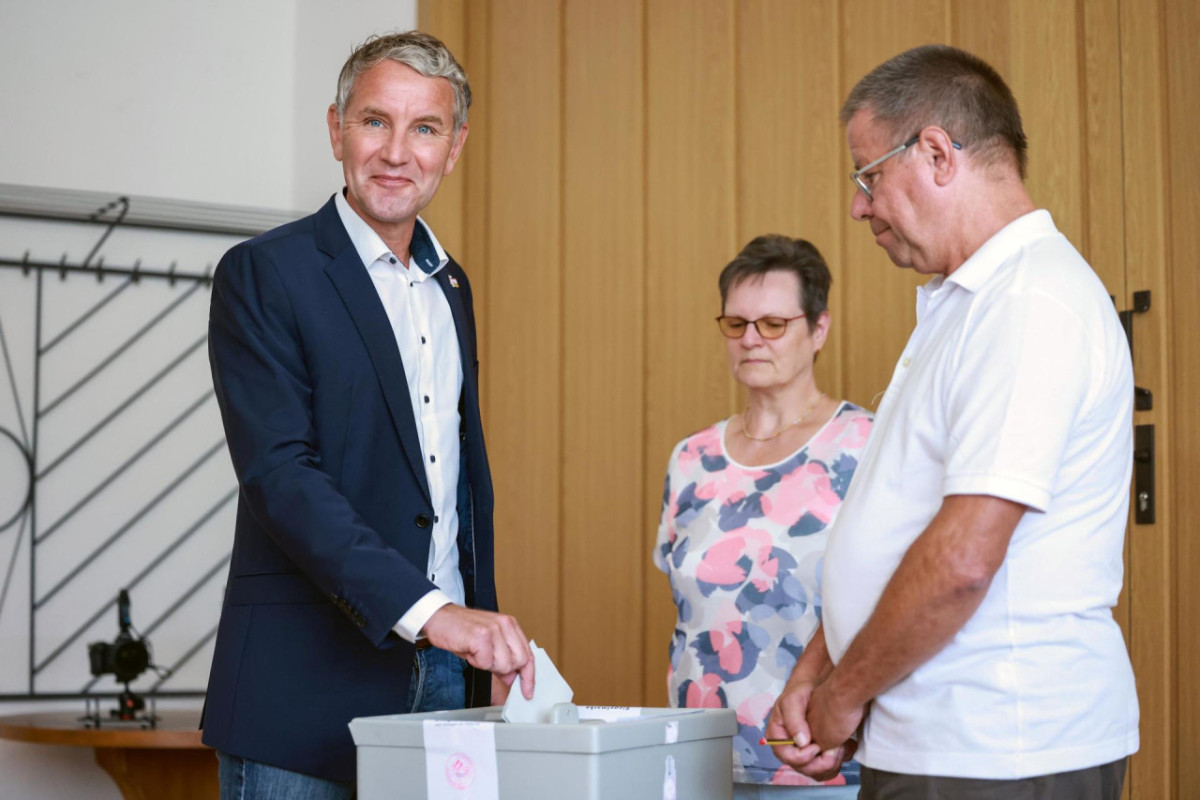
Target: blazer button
[(422, 521), (358, 618)]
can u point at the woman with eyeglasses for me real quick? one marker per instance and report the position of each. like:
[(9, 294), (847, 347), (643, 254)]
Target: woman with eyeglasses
[(747, 508)]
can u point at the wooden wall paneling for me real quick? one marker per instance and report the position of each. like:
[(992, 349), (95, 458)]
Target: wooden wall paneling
[(533, 202), (476, 160), (1182, 160), (604, 512), (1045, 76), (1145, 172), (1103, 243), (524, 322), (790, 149), (982, 28), (879, 299), (690, 234), (1104, 197), (446, 19)]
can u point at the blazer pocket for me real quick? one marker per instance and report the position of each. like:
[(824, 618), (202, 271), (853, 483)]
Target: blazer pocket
[(272, 588)]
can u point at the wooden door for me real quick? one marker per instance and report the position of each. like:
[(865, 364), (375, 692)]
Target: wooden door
[(1179, 62)]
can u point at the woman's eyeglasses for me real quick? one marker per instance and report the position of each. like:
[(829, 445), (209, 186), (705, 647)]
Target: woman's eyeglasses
[(767, 327)]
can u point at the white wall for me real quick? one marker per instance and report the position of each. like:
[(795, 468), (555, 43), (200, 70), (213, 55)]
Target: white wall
[(328, 35), (218, 101)]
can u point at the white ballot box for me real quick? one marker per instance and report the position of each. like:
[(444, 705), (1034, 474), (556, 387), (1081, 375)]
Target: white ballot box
[(598, 753)]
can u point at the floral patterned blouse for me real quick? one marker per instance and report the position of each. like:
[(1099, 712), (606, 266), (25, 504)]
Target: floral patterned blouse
[(743, 547)]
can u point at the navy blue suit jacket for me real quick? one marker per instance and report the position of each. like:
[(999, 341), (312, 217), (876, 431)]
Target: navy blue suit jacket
[(334, 514)]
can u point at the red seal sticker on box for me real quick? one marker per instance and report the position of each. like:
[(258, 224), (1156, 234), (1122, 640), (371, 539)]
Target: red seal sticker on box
[(460, 760), (460, 770)]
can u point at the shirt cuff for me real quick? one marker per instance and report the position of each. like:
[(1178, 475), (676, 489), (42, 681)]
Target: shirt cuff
[(410, 625)]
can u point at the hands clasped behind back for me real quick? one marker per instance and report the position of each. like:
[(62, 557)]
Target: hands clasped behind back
[(486, 640)]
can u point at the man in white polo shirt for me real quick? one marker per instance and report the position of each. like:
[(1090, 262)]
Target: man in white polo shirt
[(970, 577)]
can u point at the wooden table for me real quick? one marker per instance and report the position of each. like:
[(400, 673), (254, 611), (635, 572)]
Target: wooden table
[(163, 763)]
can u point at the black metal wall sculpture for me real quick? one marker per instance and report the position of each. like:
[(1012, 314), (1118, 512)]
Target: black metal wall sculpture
[(115, 474)]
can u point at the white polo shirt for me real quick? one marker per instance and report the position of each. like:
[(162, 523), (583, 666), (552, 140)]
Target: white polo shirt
[(1016, 383)]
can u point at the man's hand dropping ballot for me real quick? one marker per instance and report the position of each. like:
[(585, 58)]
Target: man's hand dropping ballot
[(549, 691)]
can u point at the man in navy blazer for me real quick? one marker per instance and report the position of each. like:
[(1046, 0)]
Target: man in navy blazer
[(344, 361)]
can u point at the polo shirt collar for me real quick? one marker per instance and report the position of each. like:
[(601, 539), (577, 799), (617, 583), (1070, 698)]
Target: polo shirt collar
[(983, 263), (424, 250), (977, 270)]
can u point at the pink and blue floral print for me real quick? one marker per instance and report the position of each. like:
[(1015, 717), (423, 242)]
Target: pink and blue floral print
[(743, 548)]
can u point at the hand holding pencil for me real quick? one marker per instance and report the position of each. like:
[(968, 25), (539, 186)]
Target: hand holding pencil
[(777, 742), (788, 733)]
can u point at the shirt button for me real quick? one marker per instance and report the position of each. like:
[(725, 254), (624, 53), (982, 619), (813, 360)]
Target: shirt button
[(906, 361), (392, 259), (426, 398), (422, 340), (433, 459)]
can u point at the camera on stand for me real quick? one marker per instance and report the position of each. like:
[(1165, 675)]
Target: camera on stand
[(127, 657)]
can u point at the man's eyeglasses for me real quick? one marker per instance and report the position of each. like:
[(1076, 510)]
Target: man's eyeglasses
[(857, 175), (767, 327)]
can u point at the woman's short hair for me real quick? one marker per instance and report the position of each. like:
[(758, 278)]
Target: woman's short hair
[(420, 51), (776, 253)]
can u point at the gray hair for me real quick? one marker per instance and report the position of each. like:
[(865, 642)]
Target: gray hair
[(420, 51), (944, 86)]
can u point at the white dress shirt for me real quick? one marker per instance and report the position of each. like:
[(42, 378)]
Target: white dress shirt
[(428, 343)]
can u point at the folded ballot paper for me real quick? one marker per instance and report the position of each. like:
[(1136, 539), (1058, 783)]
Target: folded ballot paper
[(549, 689), (460, 756)]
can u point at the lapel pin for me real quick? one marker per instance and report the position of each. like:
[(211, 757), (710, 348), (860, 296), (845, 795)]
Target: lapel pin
[(453, 281)]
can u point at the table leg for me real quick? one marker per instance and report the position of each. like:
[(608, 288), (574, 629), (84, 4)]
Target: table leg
[(161, 774)]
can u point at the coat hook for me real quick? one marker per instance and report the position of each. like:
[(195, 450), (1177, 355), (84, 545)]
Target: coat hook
[(25, 267), (171, 273), (62, 263), (136, 276), (100, 270)]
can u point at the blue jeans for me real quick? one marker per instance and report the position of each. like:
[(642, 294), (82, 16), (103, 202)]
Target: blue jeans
[(438, 683), (243, 779)]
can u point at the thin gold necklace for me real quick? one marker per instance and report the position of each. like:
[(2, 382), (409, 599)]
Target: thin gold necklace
[(789, 426)]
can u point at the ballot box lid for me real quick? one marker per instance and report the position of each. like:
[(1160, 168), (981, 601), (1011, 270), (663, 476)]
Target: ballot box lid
[(650, 727)]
